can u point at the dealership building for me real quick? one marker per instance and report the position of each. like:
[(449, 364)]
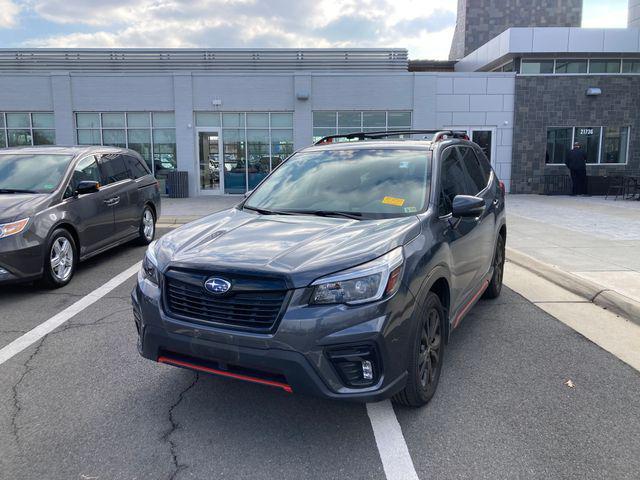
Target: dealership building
[(524, 82)]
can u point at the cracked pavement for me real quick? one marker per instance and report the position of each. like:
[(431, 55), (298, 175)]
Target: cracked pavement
[(81, 403)]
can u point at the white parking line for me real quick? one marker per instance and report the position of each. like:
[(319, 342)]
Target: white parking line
[(32, 336), (392, 447)]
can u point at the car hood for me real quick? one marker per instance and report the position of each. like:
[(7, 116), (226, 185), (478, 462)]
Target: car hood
[(15, 206), (298, 248)]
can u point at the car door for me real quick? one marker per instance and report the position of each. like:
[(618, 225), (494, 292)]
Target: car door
[(478, 177), (91, 213), (463, 235), (123, 195)]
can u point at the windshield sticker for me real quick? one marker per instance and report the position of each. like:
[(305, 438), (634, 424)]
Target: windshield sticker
[(403, 165), (397, 202), (410, 209), (48, 186)]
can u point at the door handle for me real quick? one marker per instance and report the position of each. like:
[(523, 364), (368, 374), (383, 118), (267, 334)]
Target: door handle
[(112, 201)]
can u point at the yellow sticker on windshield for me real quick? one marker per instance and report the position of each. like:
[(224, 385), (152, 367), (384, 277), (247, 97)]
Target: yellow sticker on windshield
[(397, 202)]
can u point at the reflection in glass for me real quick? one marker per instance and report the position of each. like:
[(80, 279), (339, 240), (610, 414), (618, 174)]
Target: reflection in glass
[(374, 119), (209, 150), (258, 150), (483, 139), (281, 146), (257, 120), (399, 120), (42, 120), (114, 138), (164, 151), (614, 147), (234, 160), (140, 141), (18, 120), (164, 119), (18, 138), (110, 120), (89, 137), (349, 119), (589, 140), (558, 145), (282, 120), (138, 120), (233, 120), (88, 120), (44, 137), (3, 140)]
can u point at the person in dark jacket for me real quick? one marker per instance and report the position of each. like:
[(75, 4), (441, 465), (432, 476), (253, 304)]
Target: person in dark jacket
[(577, 164)]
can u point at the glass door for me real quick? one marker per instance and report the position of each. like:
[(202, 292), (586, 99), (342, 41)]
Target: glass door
[(209, 148), (484, 138)]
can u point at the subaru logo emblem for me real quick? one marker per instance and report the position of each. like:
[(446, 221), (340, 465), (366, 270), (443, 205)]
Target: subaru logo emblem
[(217, 285)]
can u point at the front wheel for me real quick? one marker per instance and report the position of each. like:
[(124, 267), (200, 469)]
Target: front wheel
[(425, 364), (147, 230), (60, 259), (495, 285)]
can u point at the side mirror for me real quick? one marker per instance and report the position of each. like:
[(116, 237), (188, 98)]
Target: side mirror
[(87, 186), (247, 193), (467, 206)]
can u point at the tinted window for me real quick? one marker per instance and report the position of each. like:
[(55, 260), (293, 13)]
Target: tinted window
[(136, 167), (113, 169), (85, 170), (453, 180), (376, 182), (478, 173)]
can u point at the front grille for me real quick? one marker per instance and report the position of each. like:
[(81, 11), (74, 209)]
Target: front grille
[(254, 310)]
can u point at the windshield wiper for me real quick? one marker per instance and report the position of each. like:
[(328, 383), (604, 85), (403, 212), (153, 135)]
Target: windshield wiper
[(264, 211), (329, 213), (16, 190)]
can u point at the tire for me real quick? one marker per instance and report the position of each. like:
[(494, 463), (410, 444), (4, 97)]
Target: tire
[(495, 285), (60, 259), (427, 355), (147, 229)]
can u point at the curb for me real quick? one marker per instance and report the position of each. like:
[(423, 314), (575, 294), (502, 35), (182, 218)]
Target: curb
[(597, 294)]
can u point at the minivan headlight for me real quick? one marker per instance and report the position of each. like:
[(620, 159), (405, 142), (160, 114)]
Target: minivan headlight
[(13, 228), (365, 283), (150, 265)]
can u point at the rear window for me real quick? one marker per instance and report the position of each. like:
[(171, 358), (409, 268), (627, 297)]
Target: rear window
[(374, 182)]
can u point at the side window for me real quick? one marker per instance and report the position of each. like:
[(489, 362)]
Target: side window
[(113, 169), (136, 168), (85, 170), (478, 176), (453, 180)]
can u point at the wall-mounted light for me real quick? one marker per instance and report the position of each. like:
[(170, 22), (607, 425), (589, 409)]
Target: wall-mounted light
[(593, 92), (302, 95), (216, 102)]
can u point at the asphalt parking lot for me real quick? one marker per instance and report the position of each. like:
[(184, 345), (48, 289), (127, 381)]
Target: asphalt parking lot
[(81, 404)]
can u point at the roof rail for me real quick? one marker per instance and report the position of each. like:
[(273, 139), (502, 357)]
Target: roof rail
[(437, 135)]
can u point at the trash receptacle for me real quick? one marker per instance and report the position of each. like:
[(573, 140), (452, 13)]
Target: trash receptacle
[(178, 184)]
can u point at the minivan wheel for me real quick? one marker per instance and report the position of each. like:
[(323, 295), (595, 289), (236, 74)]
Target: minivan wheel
[(60, 259), (425, 364), (495, 286), (147, 230)]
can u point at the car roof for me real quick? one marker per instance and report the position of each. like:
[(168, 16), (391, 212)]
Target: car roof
[(360, 144), (74, 150)]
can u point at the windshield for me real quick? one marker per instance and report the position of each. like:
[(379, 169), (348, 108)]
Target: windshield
[(371, 183), (32, 173)]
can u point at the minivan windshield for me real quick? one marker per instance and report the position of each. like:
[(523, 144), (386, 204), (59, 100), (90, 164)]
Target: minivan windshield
[(32, 173), (356, 183)]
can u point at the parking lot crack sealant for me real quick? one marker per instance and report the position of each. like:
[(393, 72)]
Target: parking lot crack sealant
[(177, 466)]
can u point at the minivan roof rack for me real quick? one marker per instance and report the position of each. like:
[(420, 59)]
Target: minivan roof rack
[(437, 135)]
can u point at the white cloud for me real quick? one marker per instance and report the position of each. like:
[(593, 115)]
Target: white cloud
[(424, 27), (8, 13)]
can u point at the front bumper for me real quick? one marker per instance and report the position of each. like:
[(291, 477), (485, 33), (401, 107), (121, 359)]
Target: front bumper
[(21, 259), (294, 358)]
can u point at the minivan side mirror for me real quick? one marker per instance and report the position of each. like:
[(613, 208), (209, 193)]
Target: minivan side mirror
[(467, 206), (87, 186)]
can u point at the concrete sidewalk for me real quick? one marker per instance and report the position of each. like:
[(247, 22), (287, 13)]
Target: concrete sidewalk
[(588, 244)]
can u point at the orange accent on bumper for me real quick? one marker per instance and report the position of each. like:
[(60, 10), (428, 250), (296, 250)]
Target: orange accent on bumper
[(237, 376)]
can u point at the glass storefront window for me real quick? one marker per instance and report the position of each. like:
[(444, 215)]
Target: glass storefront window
[(43, 120), (536, 66), (631, 66), (19, 138), (399, 120), (44, 137), (325, 119), (18, 120), (138, 120), (3, 140), (87, 120), (571, 66), (207, 119), (140, 141), (352, 120), (235, 170), (281, 120), (589, 140), (259, 160), (164, 119), (614, 146), (281, 146), (257, 120), (114, 138), (164, 151), (374, 119), (332, 123), (604, 66), (558, 144), (233, 120), (111, 120)]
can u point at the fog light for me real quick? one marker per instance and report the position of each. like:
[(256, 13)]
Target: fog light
[(367, 370)]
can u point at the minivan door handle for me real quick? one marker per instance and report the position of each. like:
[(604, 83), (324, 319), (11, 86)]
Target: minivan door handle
[(112, 201)]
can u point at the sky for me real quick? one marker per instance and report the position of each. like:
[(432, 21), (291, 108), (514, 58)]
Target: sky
[(425, 27)]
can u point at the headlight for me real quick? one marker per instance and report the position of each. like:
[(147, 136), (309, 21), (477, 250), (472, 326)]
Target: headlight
[(364, 283), (8, 229), (150, 265)]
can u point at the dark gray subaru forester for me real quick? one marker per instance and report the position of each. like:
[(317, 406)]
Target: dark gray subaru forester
[(341, 275)]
